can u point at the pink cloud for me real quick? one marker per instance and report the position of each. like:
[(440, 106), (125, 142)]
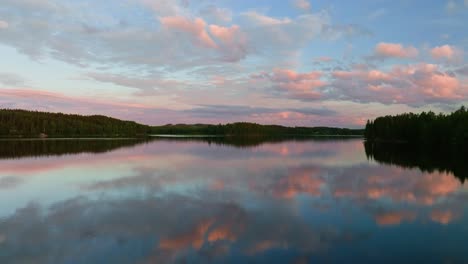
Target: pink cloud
[(407, 84), (446, 52), (296, 85), (232, 41), (195, 28), (370, 76), (395, 50), (225, 34)]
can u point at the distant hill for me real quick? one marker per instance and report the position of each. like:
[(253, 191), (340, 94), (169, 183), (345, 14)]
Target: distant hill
[(22, 123)]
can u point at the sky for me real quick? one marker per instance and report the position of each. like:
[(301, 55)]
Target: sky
[(289, 62)]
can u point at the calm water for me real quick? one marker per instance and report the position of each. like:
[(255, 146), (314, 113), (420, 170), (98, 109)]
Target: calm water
[(237, 201)]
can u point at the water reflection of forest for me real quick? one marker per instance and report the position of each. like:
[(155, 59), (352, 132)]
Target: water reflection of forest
[(253, 141), (452, 159), (58, 147)]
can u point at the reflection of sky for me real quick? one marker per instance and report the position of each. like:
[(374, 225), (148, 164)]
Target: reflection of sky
[(174, 201)]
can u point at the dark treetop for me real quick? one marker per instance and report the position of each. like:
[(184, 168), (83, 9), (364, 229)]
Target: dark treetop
[(424, 128)]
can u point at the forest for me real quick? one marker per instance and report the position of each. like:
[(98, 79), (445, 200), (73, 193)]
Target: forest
[(424, 128), (22, 123), (252, 129)]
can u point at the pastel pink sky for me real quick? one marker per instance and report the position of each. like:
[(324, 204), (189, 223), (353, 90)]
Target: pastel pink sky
[(297, 62)]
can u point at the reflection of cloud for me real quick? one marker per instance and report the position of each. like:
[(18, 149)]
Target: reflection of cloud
[(301, 181), (443, 216), (394, 218), (223, 232), (399, 185), (9, 182), (193, 238), (265, 245), (166, 229)]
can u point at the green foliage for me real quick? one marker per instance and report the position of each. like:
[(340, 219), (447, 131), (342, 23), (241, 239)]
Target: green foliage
[(427, 128), (21, 123)]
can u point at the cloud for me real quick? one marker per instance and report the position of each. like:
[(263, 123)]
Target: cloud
[(195, 28), (446, 52), (335, 32), (3, 24), (216, 14), (220, 111), (257, 19), (414, 85), (231, 40), (303, 86), (302, 4), (394, 50), (11, 79), (463, 71), (145, 85)]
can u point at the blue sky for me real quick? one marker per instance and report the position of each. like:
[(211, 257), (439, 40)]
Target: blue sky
[(295, 62)]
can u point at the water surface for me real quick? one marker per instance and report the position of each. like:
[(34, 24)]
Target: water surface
[(227, 201)]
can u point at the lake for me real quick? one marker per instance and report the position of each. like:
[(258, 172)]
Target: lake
[(229, 201)]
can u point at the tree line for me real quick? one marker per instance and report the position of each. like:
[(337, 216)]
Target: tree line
[(251, 129), (22, 123), (426, 128)]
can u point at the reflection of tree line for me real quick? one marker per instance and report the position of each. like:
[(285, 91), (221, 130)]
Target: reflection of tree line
[(251, 141), (450, 159), (33, 148), (56, 147)]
